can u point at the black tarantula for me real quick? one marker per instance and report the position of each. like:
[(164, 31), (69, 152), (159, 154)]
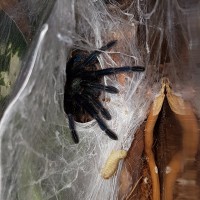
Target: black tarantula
[(83, 87)]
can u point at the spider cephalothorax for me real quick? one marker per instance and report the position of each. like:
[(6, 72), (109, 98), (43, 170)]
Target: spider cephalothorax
[(83, 87)]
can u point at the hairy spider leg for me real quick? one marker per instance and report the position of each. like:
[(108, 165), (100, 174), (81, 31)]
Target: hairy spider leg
[(108, 46), (110, 71), (98, 86), (72, 128), (68, 111), (92, 58), (94, 114), (98, 105)]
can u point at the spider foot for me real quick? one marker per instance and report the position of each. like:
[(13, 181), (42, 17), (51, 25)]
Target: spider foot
[(75, 136), (111, 134)]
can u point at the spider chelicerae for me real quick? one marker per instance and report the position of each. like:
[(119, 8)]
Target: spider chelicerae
[(83, 88)]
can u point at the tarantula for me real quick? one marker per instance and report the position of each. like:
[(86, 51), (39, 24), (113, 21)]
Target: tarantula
[(83, 87)]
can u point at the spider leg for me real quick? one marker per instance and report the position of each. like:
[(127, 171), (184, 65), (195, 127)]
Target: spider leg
[(92, 58), (91, 111), (68, 111), (110, 71), (98, 86), (99, 106), (108, 46), (72, 128)]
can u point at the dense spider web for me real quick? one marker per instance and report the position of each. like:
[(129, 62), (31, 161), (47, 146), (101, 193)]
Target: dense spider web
[(38, 157)]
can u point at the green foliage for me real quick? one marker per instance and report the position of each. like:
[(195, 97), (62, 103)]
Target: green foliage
[(2, 83), (11, 41)]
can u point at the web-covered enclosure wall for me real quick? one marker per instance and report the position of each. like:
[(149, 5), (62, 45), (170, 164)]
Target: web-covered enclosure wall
[(19, 22), (39, 160)]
